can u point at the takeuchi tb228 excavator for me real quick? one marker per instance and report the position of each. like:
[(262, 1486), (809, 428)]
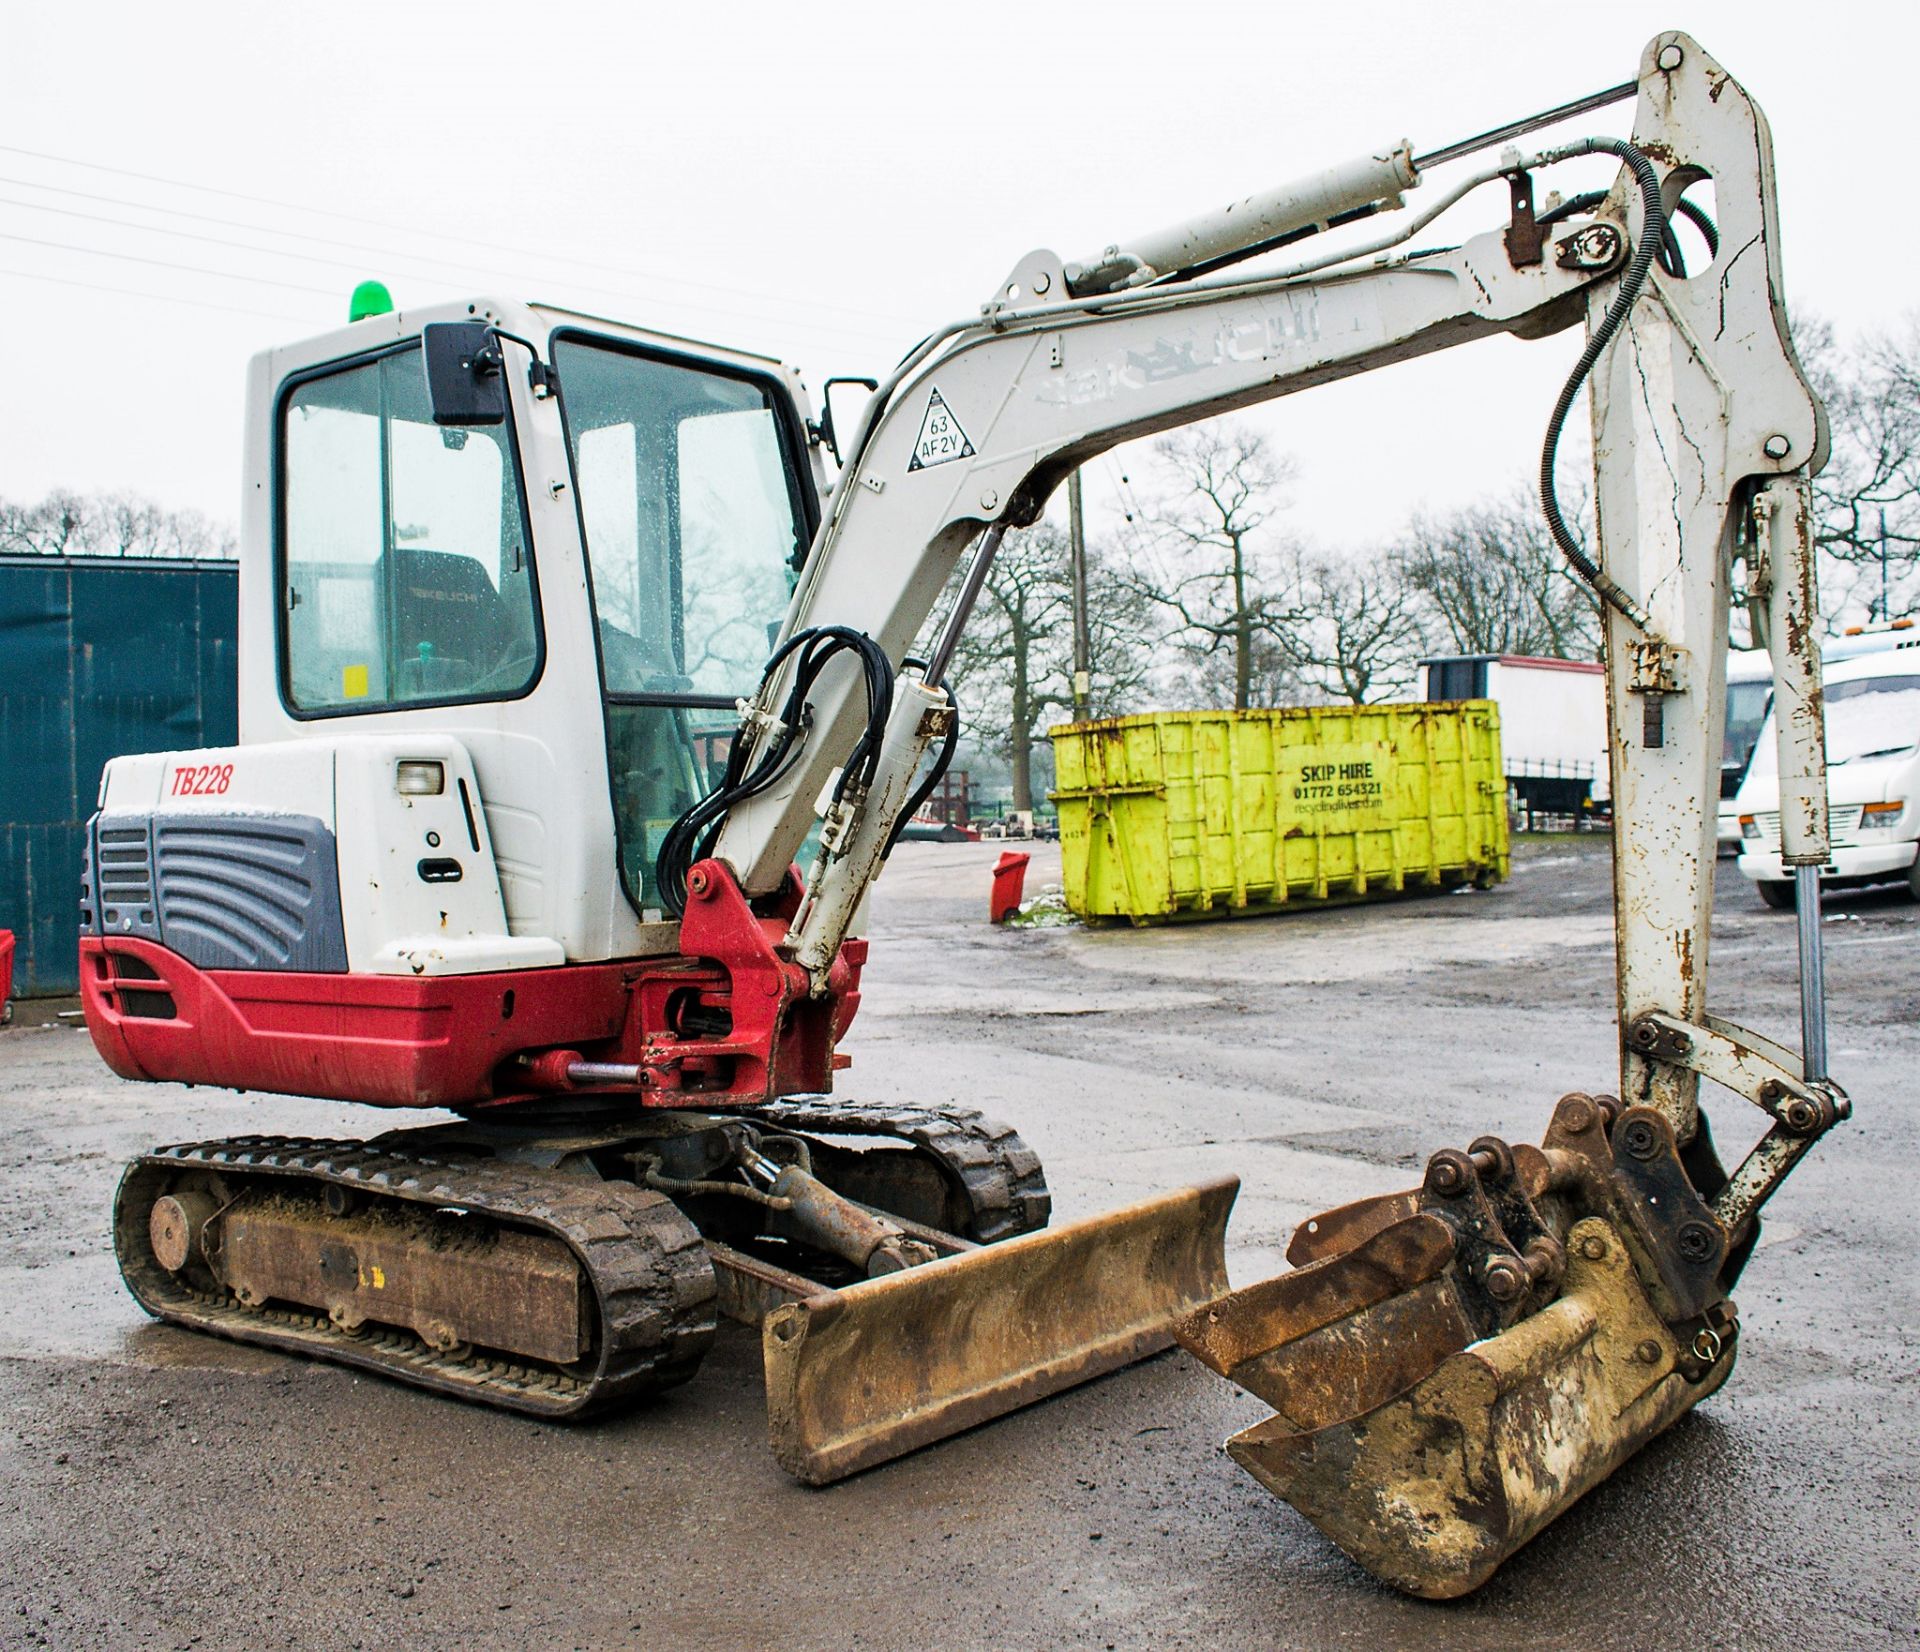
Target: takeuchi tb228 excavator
[(556, 642)]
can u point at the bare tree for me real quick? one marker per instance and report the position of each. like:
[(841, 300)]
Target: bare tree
[(59, 525), (65, 523), (1493, 582), (1204, 551), (1362, 634), (1867, 499), (1014, 665)]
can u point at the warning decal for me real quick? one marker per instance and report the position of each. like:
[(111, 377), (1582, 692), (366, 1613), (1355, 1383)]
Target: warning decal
[(941, 437)]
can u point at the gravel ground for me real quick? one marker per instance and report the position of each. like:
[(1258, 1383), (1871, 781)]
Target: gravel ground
[(159, 1489)]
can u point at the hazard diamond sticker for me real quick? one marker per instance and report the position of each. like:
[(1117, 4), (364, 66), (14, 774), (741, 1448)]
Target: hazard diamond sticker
[(941, 438)]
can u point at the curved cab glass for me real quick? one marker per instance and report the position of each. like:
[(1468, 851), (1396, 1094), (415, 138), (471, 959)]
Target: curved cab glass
[(692, 506)]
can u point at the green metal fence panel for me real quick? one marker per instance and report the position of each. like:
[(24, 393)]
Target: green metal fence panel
[(1207, 813), (99, 657)]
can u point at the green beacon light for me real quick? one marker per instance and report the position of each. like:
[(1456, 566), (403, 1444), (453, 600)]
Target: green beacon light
[(369, 298)]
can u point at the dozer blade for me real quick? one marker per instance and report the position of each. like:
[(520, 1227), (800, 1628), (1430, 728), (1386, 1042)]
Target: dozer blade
[(1432, 1488), (860, 1375)]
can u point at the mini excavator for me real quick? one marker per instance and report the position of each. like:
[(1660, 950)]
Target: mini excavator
[(558, 647)]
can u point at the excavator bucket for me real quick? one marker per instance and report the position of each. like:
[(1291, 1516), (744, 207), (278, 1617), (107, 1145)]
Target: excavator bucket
[(859, 1375), (1452, 1368)]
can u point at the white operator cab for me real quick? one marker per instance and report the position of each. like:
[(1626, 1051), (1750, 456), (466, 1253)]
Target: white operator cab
[(1873, 769), (559, 612)]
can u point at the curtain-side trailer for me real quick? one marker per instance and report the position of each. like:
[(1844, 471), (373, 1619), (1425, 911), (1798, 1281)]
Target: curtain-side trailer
[(1553, 723)]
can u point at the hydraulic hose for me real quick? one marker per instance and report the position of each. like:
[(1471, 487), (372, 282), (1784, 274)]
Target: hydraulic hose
[(941, 762), (1653, 232), (692, 836)]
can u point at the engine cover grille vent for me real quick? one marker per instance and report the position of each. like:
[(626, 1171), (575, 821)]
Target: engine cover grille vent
[(249, 891), (117, 881)]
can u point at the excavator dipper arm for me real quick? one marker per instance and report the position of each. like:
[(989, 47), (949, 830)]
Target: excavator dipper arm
[(1529, 1316)]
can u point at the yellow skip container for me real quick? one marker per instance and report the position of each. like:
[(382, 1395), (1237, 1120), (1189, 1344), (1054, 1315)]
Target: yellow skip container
[(1180, 814)]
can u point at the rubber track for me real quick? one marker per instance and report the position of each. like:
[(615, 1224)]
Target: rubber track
[(1000, 1174), (653, 1284)]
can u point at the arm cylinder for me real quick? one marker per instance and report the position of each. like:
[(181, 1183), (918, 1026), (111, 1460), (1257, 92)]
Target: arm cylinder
[(836, 887), (1305, 204)]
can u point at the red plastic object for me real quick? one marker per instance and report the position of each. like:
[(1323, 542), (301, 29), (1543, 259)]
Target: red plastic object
[(6, 965), (1009, 879), (392, 1040)]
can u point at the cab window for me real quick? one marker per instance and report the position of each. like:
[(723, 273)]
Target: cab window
[(405, 568), (696, 525)]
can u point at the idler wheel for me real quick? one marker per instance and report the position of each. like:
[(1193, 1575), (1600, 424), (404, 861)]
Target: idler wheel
[(174, 1227)]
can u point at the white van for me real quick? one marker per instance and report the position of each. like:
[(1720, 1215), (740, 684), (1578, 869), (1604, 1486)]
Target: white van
[(1749, 693), (1873, 782)]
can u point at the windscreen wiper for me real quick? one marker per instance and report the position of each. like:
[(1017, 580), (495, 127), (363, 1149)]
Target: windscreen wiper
[(1884, 751)]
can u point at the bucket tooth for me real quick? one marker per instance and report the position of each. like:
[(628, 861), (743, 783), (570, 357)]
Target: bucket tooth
[(1433, 1489), (1341, 1335), (863, 1374), (1343, 1227)]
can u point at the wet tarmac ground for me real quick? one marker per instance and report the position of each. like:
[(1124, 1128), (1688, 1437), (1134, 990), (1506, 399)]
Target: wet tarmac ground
[(163, 1490)]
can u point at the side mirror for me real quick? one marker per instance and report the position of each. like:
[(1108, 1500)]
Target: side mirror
[(823, 430), (465, 384)]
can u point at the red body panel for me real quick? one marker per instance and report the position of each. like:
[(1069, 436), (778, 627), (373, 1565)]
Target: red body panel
[(393, 1040), (458, 1040)]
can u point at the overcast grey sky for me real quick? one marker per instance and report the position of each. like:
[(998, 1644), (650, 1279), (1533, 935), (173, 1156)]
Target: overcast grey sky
[(826, 183)]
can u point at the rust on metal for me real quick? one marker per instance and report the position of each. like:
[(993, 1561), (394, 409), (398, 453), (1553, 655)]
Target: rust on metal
[(750, 1287), (1434, 1489), (175, 1225), (818, 1216), (1357, 1363), (1345, 1226), (860, 1375), (450, 1280), (1441, 1396), (1525, 238), (1226, 1334)]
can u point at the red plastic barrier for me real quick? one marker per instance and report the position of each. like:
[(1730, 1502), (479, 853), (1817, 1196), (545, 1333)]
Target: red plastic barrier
[(6, 965), (1009, 879)]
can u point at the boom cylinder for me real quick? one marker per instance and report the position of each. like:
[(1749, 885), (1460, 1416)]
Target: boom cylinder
[(1353, 188), (921, 714)]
